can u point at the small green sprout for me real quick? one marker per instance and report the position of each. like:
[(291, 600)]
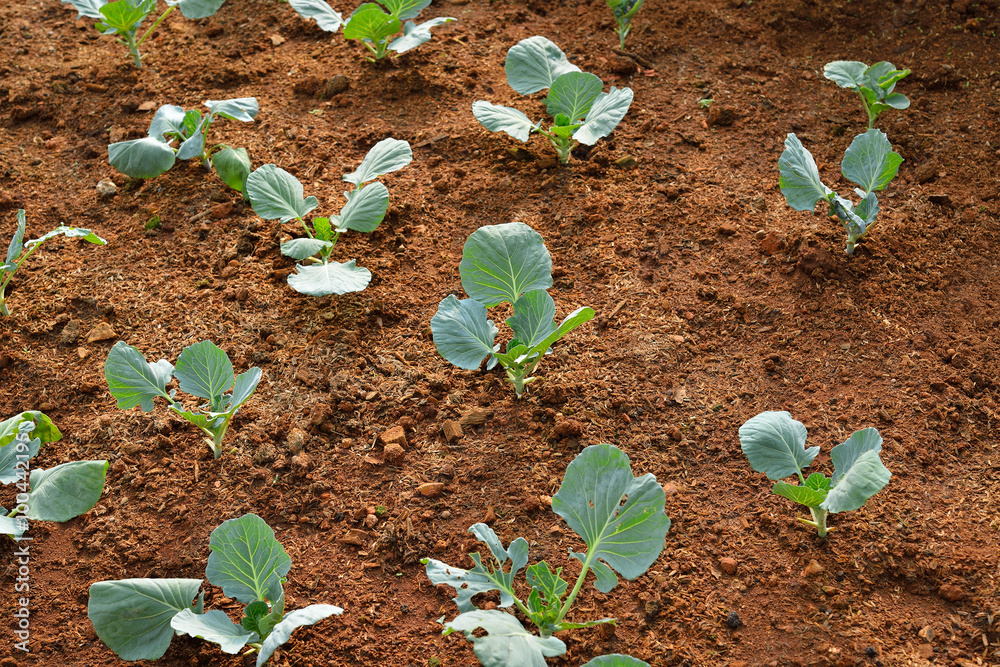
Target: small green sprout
[(874, 84)]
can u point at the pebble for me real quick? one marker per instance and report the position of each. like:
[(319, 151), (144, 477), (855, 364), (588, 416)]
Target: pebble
[(452, 431), (106, 189), (430, 489), (812, 569), (728, 565), (296, 440), (102, 331), (70, 332), (395, 435), (394, 454), (733, 620), (952, 592)]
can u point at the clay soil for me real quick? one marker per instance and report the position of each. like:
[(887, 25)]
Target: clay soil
[(715, 302)]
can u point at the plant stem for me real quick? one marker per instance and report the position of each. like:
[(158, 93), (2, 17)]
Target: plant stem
[(133, 48), (156, 23), (3, 303), (818, 522), (576, 589)]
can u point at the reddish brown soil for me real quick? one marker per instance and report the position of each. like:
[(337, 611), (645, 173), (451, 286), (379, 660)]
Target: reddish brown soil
[(715, 302)]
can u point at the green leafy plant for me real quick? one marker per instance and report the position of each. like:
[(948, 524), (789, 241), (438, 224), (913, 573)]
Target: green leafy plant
[(58, 494), (203, 370), (619, 517), (706, 102), (874, 84), (123, 18), (153, 155), (276, 194), (581, 111), (507, 262), (775, 444), (868, 162), (20, 250), (373, 26), (137, 618), (624, 11)]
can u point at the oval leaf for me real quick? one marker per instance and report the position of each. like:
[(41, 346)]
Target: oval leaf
[(277, 195), (197, 9), (414, 35), (573, 94), (329, 278), (870, 161), (141, 158), (866, 477), (616, 660), (775, 444), (799, 176), (534, 317), (497, 118), (233, 166), (371, 24), (534, 64), (462, 333), (384, 157), (66, 491), (846, 73), (133, 381), (507, 642), (204, 370), (213, 626), (604, 116), (314, 613), (405, 9), (366, 208), (302, 248), (169, 119), (320, 11), (246, 559), (244, 387), (502, 262), (239, 108)]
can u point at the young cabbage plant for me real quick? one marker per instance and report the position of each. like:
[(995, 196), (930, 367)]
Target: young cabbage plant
[(58, 494), (153, 155), (874, 84), (507, 262), (137, 618), (775, 444), (869, 162), (19, 251), (581, 111), (123, 18), (624, 11), (202, 370), (276, 194), (619, 517)]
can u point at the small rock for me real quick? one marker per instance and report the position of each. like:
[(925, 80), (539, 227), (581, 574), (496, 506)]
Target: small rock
[(296, 440), (394, 454), (721, 115), (70, 332), (335, 86), (475, 417), (674, 432), (728, 565), (728, 229), (355, 536), (669, 489), (276, 40), (491, 515), (395, 435), (106, 189), (733, 620), (926, 633), (430, 489), (220, 211), (452, 431), (951, 592), (626, 162), (147, 106), (102, 331), (82, 352), (812, 569), (567, 428)]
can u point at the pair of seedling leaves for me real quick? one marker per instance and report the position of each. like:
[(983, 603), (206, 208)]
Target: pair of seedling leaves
[(124, 17), (774, 443), (619, 517), (624, 11), (19, 250), (507, 262), (57, 494), (153, 155), (373, 26), (276, 194), (581, 112), (875, 85), (203, 370), (137, 618)]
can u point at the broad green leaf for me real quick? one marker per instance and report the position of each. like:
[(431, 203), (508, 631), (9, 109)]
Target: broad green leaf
[(880, 77), (329, 278), (818, 481), (324, 15), (533, 318), (800, 494), (502, 262), (204, 421), (9, 472), (366, 209), (534, 64), (323, 229), (132, 616), (384, 157), (66, 491), (846, 454), (800, 177), (498, 118), (141, 158), (867, 209), (548, 583), (246, 384), (405, 9), (897, 101), (572, 94), (233, 166), (213, 626), (370, 23), (414, 35), (277, 195), (126, 15), (197, 9), (16, 241), (775, 444), (89, 8), (171, 121), (616, 660), (253, 614), (69, 232), (302, 248), (846, 73), (462, 333), (604, 116), (296, 619), (507, 642), (43, 428), (480, 579), (870, 161), (133, 381), (246, 559), (11, 526), (240, 108), (570, 322), (863, 479), (194, 145), (620, 517), (204, 370)]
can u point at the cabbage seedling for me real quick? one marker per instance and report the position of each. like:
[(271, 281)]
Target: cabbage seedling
[(580, 111), (874, 84), (775, 444), (137, 618), (202, 370), (19, 251), (58, 494), (624, 11), (153, 155), (277, 195), (869, 162), (500, 263), (619, 517), (124, 17)]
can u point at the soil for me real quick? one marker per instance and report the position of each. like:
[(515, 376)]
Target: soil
[(715, 302)]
